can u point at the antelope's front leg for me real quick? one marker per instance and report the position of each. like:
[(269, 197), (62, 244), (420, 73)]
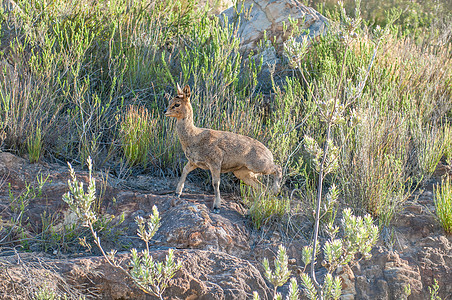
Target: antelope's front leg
[(180, 186)]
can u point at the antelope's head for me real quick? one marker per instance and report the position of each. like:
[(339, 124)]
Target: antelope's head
[(179, 107)]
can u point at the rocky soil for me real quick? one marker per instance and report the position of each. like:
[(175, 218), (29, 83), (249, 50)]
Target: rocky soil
[(221, 254)]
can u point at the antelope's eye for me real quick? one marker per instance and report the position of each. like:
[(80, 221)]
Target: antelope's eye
[(177, 105)]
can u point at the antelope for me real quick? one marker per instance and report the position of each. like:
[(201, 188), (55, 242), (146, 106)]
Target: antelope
[(219, 151)]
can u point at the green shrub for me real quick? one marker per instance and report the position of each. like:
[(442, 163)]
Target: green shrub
[(434, 290), (390, 151), (374, 175), (44, 293), (281, 273), (359, 237)]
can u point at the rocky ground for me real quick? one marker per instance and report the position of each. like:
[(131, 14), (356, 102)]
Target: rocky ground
[(220, 253)]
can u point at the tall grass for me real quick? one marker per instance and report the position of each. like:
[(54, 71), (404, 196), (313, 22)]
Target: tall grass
[(84, 61), (264, 208)]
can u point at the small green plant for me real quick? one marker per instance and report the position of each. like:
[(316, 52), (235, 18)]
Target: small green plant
[(448, 146), (45, 293), (255, 296), (407, 290), (281, 273), (433, 290), (279, 276), (360, 235), (432, 146), (18, 204), (443, 203), (41, 181), (34, 145), (151, 276), (148, 274), (19, 229)]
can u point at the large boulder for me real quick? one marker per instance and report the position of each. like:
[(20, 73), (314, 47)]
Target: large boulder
[(273, 19), (263, 17)]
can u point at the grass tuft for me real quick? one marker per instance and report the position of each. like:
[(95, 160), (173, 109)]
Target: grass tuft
[(136, 132), (443, 203), (34, 145), (264, 208)]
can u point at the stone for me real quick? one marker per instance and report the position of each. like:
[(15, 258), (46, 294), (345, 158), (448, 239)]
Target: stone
[(193, 226), (203, 275), (269, 18), (347, 277), (260, 16)]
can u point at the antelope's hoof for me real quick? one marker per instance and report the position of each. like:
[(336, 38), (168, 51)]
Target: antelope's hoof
[(216, 210), (175, 200)]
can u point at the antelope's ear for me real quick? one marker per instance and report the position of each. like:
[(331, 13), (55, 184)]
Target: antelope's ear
[(179, 90), (187, 91)]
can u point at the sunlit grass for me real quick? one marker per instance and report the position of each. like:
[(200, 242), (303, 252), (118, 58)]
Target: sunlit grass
[(136, 131), (443, 204)]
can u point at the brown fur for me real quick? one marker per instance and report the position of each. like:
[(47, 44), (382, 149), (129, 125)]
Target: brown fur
[(218, 151)]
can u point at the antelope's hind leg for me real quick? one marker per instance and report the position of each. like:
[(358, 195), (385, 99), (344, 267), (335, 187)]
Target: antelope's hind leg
[(216, 172), (248, 178), (277, 177)]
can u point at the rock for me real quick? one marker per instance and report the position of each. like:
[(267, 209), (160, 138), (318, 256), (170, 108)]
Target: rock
[(347, 277), (223, 276), (400, 275), (271, 19), (259, 16), (435, 262), (387, 276), (23, 274), (194, 226), (203, 275)]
